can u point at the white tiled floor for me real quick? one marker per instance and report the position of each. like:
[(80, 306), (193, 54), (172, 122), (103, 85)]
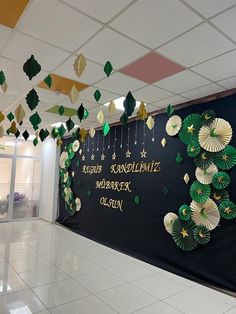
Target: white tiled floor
[(47, 269)]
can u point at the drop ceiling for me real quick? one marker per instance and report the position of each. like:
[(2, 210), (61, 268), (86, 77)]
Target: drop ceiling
[(194, 42)]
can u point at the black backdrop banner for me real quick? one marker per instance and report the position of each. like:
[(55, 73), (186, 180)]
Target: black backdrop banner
[(136, 228)]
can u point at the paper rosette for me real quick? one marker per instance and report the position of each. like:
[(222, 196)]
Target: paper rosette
[(204, 159), (205, 214), (220, 180), (202, 235), (208, 117), (226, 159), (216, 136), (219, 195), (75, 146), (193, 149), (183, 235), (173, 125), (169, 219), (184, 212), (77, 204), (228, 210), (200, 192), (190, 128), (63, 158), (204, 176)]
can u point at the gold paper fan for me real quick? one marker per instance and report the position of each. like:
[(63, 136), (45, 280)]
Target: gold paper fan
[(173, 125), (216, 136), (204, 176), (169, 219), (205, 214)]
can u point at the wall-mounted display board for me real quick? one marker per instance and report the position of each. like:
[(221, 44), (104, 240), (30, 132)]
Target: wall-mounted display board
[(123, 185)]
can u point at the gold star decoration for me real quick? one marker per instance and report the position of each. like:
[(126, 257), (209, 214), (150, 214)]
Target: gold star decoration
[(102, 157), (83, 157), (184, 233), (128, 154), (143, 153), (92, 157), (227, 210), (114, 156), (191, 129), (225, 157)]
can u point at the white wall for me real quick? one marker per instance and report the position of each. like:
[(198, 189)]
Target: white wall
[(49, 181)]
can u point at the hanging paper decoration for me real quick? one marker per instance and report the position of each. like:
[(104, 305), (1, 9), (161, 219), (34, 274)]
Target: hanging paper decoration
[(173, 125), (43, 134), (204, 159), (80, 64), (25, 135), (129, 104), (163, 142), (208, 116), (226, 159), (1, 131), (179, 158), (97, 95), (61, 130), (32, 99), (19, 114), (150, 122), (112, 107), (4, 87), (165, 191), (10, 116), (216, 136), (13, 128), (124, 118), (61, 110), (184, 212), (2, 78), (80, 112), (54, 133), (75, 134), (82, 134), (100, 117), (190, 128), (105, 128), (73, 94), (142, 112), (220, 180), (75, 146), (137, 200), (78, 204), (35, 120), (169, 110), (69, 124), (183, 234), (219, 196), (205, 176), (92, 132), (202, 235), (193, 148), (48, 81), (169, 220), (108, 68), (86, 114), (227, 210), (2, 116), (17, 134), (205, 214), (31, 67), (200, 192), (35, 141)]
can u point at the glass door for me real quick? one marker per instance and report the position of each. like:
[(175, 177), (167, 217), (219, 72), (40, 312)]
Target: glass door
[(5, 186)]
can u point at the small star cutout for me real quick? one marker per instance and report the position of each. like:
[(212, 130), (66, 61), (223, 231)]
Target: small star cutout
[(128, 154), (191, 129), (225, 157), (227, 210), (92, 157), (184, 233), (102, 157), (114, 156), (83, 158), (143, 153)]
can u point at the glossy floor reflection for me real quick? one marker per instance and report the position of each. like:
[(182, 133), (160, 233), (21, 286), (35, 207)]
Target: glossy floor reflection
[(45, 268)]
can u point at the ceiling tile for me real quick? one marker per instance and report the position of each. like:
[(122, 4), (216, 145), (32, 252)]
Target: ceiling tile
[(56, 23), (150, 94), (182, 82), (196, 46), (11, 12), (153, 22), (218, 68), (172, 100), (103, 10), (88, 94), (20, 47), (109, 45), (209, 8), (229, 82), (4, 34), (203, 91), (226, 22), (16, 88), (92, 73), (120, 84), (50, 96), (7, 100)]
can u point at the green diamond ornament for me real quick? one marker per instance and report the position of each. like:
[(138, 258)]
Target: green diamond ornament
[(32, 99), (129, 104), (10, 116), (97, 95), (137, 200), (89, 193), (86, 114), (61, 130), (179, 158), (48, 81), (35, 141), (17, 134), (61, 110), (80, 112), (108, 68), (200, 192), (25, 135), (169, 110), (228, 210), (202, 234), (2, 78), (31, 67), (124, 118), (54, 133), (105, 128), (35, 119), (69, 124)]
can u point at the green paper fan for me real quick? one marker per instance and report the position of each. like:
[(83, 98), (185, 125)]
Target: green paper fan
[(202, 235), (200, 192), (227, 210), (193, 148), (204, 159), (226, 159), (183, 235), (219, 195), (220, 180), (184, 212), (208, 116), (190, 128)]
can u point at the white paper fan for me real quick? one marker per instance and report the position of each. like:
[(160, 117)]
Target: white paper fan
[(173, 125), (169, 219), (204, 176)]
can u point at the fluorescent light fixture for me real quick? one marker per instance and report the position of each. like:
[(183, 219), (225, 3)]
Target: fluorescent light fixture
[(119, 103), (10, 144), (58, 124)]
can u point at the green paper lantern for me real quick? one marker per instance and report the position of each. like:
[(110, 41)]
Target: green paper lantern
[(204, 159), (227, 210), (61, 110), (32, 99), (185, 212), (129, 104), (124, 118), (183, 235), (35, 141), (10, 116), (179, 158), (208, 116), (169, 110), (137, 200), (226, 159), (220, 180), (69, 124), (200, 192), (97, 95), (190, 128), (193, 149), (165, 191), (202, 235), (108, 68), (48, 81), (219, 195), (105, 128), (2, 78), (31, 67)]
